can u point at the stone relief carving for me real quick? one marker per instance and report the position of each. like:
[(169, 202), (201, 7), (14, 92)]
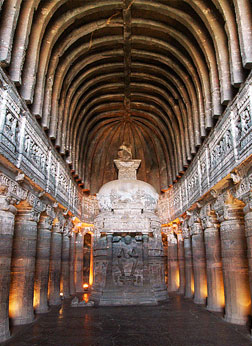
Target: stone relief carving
[(221, 149), (24, 144), (14, 189), (223, 158), (244, 122)]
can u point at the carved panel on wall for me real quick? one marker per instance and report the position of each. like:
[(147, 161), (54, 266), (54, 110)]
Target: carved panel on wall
[(25, 145), (9, 126), (227, 146), (244, 124), (221, 152), (35, 155)]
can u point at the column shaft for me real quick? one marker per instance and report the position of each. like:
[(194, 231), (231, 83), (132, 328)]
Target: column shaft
[(7, 218), (23, 267), (235, 266), (42, 265), (199, 269), (189, 279), (79, 263), (71, 262), (55, 266), (215, 286), (181, 261), (172, 263), (65, 269)]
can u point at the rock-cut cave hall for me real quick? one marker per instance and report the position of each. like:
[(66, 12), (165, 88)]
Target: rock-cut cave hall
[(125, 172)]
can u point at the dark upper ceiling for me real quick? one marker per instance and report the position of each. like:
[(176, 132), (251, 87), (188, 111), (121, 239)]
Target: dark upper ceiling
[(152, 73)]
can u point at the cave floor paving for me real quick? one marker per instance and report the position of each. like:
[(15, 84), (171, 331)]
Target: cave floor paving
[(176, 322)]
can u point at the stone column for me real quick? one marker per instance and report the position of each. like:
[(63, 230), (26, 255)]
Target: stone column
[(71, 263), (55, 264), (199, 260), (40, 301), (181, 261), (172, 255), (215, 286), (91, 264), (189, 279), (7, 218), (248, 233), (65, 269), (165, 247), (229, 211), (23, 261), (79, 262)]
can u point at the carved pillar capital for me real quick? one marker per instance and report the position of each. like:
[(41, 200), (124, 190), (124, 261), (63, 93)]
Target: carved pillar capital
[(247, 199), (227, 206), (68, 227), (194, 224), (10, 193), (185, 229), (208, 217), (31, 207)]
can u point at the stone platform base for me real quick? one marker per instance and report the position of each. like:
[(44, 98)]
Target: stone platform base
[(129, 296)]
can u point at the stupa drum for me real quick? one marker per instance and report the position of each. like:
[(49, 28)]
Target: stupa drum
[(128, 251)]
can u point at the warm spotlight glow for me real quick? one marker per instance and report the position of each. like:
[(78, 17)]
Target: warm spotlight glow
[(177, 278), (85, 286), (192, 284), (85, 297), (61, 294)]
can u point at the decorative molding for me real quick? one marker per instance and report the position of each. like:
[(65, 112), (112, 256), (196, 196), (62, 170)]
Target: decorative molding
[(226, 148)]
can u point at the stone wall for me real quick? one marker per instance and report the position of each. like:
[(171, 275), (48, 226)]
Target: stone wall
[(25, 145), (226, 147)]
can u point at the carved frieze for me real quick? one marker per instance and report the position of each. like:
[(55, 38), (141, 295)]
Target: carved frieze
[(25, 145), (243, 125), (229, 144), (14, 189)]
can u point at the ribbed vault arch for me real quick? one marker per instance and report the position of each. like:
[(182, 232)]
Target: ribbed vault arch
[(155, 74)]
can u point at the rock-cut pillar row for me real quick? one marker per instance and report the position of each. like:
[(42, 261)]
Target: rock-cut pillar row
[(234, 258), (181, 262), (248, 233), (189, 278), (72, 250), (23, 265), (42, 264), (7, 219), (199, 261), (172, 256), (215, 285), (55, 264), (65, 268)]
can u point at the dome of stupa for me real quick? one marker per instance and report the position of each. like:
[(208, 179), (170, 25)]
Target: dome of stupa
[(127, 192)]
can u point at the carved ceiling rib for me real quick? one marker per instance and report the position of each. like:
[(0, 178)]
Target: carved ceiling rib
[(100, 72)]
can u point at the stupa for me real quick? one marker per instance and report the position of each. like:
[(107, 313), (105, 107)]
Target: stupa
[(127, 248)]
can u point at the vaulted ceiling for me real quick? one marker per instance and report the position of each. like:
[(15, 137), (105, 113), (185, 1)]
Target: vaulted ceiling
[(154, 74)]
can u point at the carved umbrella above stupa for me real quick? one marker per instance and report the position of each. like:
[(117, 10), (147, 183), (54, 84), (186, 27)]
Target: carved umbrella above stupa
[(128, 252)]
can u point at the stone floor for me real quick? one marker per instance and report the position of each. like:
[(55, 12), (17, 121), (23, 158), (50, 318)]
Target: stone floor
[(176, 322)]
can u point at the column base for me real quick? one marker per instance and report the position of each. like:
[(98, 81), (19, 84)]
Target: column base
[(21, 321), (188, 296), (5, 336), (214, 309), (181, 291), (199, 301), (236, 320), (42, 310), (55, 302)]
